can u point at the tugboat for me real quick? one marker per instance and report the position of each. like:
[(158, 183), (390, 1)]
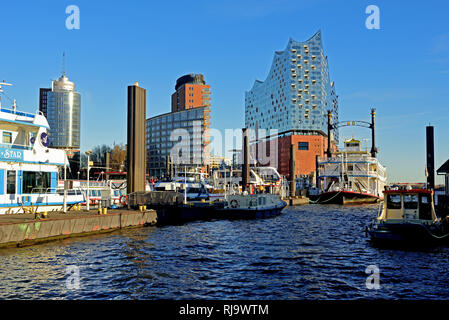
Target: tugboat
[(250, 206), (352, 176), (407, 217)]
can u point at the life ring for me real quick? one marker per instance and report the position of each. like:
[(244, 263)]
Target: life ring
[(123, 203), (234, 203)]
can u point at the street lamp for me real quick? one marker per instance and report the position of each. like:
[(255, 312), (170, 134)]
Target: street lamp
[(78, 175), (88, 153)]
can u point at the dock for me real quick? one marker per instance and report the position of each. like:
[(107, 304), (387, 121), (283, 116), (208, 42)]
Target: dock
[(296, 201), (18, 230)]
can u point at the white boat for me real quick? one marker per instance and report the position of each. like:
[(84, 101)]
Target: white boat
[(111, 190), (29, 169), (250, 206), (350, 176), (192, 184)]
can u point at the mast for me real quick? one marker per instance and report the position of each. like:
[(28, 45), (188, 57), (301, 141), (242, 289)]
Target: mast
[(3, 83)]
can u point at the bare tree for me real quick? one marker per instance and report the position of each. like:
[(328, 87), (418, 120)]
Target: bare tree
[(118, 157)]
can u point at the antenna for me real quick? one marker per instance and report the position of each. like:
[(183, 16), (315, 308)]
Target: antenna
[(63, 63)]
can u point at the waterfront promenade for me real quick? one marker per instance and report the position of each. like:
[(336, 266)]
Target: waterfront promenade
[(25, 229)]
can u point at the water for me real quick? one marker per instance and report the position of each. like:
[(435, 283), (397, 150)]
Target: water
[(308, 252)]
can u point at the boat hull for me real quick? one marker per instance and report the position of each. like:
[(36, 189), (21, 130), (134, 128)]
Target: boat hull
[(250, 213), (169, 215), (407, 234), (178, 214), (344, 198)]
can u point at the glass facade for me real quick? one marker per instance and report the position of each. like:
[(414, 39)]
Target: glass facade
[(297, 92), (195, 122), (64, 115)]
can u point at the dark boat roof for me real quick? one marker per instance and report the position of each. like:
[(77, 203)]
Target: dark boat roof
[(414, 191), (444, 168)]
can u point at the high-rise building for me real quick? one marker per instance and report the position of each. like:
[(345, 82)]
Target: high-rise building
[(191, 92), (188, 124), (294, 100), (43, 100), (62, 106)]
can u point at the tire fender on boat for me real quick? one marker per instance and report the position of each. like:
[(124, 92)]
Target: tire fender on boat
[(234, 203)]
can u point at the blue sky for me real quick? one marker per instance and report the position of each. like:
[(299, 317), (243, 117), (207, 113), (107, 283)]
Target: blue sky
[(402, 69)]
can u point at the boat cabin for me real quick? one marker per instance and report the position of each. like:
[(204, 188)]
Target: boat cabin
[(413, 205), (353, 145)]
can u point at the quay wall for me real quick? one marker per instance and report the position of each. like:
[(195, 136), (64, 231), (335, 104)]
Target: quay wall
[(22, 231)]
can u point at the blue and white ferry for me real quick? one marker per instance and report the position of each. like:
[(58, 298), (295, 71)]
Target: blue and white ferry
[(29, 169)]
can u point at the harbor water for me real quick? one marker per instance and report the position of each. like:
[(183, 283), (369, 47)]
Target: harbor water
[(308, 252)]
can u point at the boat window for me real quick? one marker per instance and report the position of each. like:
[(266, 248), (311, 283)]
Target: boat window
[(425, 207), (11, 182), (36, 182), (7, 137), (410, 201), (394, 201)]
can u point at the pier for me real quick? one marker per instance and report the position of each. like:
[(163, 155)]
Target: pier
[(296, 201), (18, 230)]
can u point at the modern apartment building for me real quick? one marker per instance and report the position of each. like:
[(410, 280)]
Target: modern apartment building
[(191, 92), (294, 99)]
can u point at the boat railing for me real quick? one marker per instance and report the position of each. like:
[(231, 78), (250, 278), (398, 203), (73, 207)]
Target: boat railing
[(348, 159), (337, 173), (52, 191), (15, 146), (19, 113)]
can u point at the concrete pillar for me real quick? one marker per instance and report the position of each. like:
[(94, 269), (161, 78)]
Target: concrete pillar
[(136, 151), (245, 167)]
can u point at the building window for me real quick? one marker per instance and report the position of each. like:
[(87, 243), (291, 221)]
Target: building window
[(303, 146), (11, 182), (7, 137)]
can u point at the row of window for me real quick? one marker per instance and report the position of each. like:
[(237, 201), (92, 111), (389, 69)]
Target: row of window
[(32, 182)]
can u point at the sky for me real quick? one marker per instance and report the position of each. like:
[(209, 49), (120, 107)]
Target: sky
[(401, 69)]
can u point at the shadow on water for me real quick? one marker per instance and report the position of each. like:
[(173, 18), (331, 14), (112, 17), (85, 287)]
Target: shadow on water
[(308, 252)]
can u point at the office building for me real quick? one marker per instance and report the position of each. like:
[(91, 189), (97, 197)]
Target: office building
[(176, 130), (62, 106)]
